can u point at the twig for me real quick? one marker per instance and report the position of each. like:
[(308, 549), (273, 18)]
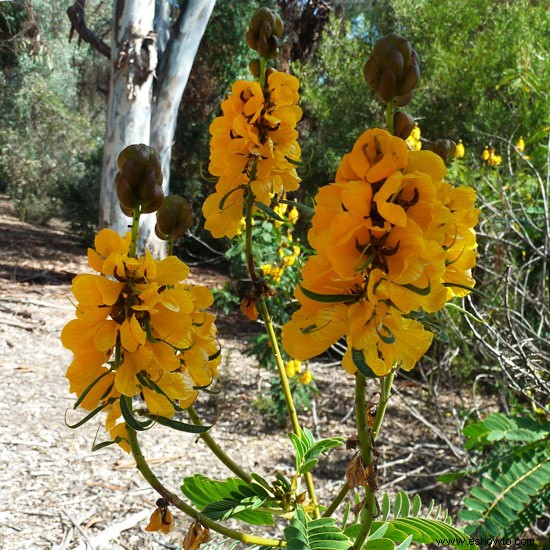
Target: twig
[(77, 17), (75, 524), (416, 413)]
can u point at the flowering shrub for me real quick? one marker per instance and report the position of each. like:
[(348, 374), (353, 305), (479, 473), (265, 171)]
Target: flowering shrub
[(393, 242)]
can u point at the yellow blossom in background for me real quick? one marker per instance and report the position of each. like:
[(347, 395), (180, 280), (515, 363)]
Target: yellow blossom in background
[(392, 239), (490, 157), (520, 145), (520, 148), (253, 147), (413, 141), (293, 215), (293, 367), (140, 330), (459, 152), (306, 377)]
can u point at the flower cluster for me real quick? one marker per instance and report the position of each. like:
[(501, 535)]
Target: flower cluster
[(293, 367), (140, 330), (392, 240), (490, 157), (253, 148)]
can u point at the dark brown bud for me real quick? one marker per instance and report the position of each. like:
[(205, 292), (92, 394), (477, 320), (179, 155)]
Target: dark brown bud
[(174, 218), (139, 180), (264, 30), (403, 123), (392, 69), (255, 67), (154, 202), (445, 148), (402, 100)]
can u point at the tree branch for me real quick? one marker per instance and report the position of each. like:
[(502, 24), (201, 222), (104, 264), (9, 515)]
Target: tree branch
[(77, 16)]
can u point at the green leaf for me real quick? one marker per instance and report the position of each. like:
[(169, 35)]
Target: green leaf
[(379, 544), (303, 533), (177, 425), (358, 359), (224, 499), (89, 416), (328, 298), (128, 415), (515, 488), (266, 210), (308, 450), (407, 526)]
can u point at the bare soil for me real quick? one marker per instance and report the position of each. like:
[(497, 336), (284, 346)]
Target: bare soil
[(57, 493)]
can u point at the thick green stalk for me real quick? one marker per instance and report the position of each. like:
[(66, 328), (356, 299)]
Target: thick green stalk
[(263, 68), (248, 235), (216, 449), (156, 484), (365, 446), (389, 117), (134, 232), (287, 393)]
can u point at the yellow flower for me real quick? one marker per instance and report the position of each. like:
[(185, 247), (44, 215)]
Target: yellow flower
[(486, 154), (293, 367), (293, 215), (392, 238), (306, 377), (459, 152), (143, 332), (520, 145), (254, 146), (413, 141)]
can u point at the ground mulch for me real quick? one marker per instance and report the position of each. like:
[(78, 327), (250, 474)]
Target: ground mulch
[(57, 493)]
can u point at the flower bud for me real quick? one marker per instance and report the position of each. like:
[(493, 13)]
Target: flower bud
[(255, 67), (403, 123), (392, 69), (263, 32), (139, 180), (445, 148), (174, 218)]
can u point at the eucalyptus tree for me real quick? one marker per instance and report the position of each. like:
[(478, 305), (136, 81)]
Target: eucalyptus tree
[(151, 52)]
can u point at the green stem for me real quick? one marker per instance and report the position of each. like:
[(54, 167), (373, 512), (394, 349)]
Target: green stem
[(248, 236), (337, 500), (263, 67), (156, 484), (216, 449), (170, 245), (365, 445), (389, 117), (287, 393), (134, 232), (385, 394)]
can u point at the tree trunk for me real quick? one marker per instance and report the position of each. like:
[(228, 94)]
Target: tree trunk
[(173, 74), (133, 61)]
